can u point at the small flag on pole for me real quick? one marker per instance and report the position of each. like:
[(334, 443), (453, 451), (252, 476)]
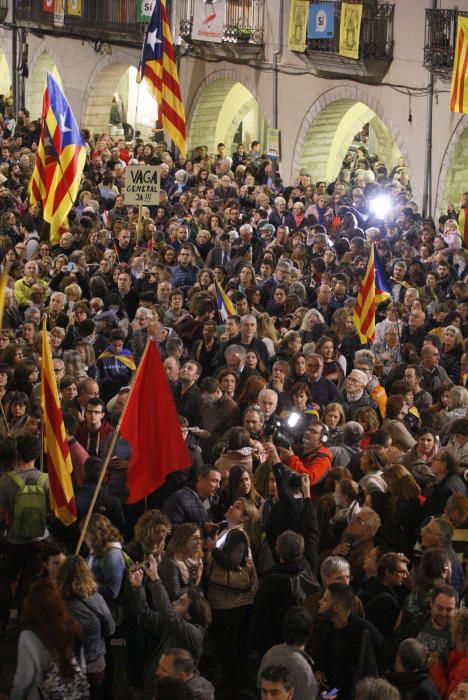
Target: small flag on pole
[(59, 464), (459, 89), (225, 306), (373, 291), (158, 66)]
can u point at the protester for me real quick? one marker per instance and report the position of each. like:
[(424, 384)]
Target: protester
[(288, 434)]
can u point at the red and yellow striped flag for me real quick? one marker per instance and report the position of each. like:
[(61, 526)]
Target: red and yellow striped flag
[(459, 89), (59, 464), (60, 159), (373, 291), (158, 66), (3, 286)]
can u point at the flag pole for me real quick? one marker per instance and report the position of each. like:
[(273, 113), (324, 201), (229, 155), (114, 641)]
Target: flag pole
[(110, 451), (41, 463), (4, 417)]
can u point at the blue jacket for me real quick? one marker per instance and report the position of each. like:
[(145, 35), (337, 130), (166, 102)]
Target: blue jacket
[(184, 277)]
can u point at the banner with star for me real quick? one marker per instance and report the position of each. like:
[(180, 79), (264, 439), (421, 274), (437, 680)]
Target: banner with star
[(60, 159), (158, 65), (208, 20)]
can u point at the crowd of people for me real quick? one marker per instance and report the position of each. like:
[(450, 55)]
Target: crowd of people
[(315, 546)]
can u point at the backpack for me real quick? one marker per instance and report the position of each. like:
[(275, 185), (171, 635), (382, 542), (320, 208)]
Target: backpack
[(54, 687), (303, 584), (120, 604), (30, 509)]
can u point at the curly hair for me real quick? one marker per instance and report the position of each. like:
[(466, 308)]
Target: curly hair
[(102, 532), (459, 630), (75, 579), (146, 528)]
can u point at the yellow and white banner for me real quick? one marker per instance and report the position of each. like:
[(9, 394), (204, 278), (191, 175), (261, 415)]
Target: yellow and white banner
[(350, 29), (298, 18), (74, 7)]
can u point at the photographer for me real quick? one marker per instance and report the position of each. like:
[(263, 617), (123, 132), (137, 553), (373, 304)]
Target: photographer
[(293, 510), (181, 624), (316, 457)]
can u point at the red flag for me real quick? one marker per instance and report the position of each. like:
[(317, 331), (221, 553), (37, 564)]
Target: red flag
[(151, 425)]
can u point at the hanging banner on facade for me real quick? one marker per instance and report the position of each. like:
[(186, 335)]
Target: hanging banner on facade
[(142, 185), (297, 34), (74, 8), (208, 20), (273, 143), (321, 23), (59, 13), (48, 6), (350, 29), (144, 10)]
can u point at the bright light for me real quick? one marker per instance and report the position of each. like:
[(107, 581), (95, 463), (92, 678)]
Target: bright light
[(380, 205), (293, 419)]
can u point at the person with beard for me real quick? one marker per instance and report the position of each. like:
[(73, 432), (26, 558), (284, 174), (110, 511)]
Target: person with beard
[(350, 645), (187, 395), (123, 247)]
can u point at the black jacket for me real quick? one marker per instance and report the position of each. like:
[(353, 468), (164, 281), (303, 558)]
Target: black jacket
[(381, 605), (435, 503), (290, 513), (281, 589), (348, 655), (414, 685), (189, 404)]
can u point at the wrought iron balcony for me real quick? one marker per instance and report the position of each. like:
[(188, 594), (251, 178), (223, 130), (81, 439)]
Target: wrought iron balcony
[(106, 20), (243, 22), (440, 38), (375, 43)]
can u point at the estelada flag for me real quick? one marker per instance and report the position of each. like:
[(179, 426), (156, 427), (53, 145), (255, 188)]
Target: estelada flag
[(459, 89), (60, 159), (373, 291), (59, 464), (158, 65), (151, 425)]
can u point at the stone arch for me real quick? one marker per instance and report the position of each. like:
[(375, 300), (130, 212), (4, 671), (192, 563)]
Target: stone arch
[(111, 74), (5, 72), (221, 104), (43, 64), (329, 126), (452, 178)]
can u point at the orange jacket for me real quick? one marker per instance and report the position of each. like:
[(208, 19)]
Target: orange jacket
[(317, 465)]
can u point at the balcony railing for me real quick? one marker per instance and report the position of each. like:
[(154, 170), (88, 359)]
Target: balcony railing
[(243, 21), (440, 38), (112, 20), (376, 35)]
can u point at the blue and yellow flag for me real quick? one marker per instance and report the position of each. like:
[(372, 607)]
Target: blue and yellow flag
[(158, 66), (225, 306), (60, 159)]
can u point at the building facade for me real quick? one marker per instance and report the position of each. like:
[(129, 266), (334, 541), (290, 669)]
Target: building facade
[(233, 90)]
